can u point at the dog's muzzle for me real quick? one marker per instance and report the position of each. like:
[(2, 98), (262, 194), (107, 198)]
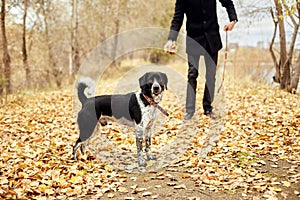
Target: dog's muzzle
[(156, 92), (156, 89)]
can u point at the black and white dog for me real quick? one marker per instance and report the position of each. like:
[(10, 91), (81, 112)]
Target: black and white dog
[(138, 109)]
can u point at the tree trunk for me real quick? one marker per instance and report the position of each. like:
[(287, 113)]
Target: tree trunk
[(115, 45), (24, 49), (52, 68), (117, 30), (284, 65), (45, 18), (74, 58), (1, 79), (6, 56), (296, 71), (276, 78), (295, 77)]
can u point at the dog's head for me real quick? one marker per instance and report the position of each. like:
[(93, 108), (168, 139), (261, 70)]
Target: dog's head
[(153, 84)]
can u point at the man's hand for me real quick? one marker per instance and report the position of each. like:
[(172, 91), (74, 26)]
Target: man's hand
[(170, 47), (229, 26)]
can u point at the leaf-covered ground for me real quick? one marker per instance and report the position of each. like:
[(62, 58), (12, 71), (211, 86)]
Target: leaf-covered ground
[(256, 154)]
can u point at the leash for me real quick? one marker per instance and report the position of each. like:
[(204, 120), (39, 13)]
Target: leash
[(225, 60), (156, 105)]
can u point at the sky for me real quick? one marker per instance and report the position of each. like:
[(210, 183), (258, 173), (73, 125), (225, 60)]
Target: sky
[(251, 29)]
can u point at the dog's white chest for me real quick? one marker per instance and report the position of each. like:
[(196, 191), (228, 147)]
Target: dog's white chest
[(148, 113), (148, 116)]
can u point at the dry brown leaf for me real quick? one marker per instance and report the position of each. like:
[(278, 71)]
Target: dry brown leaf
[(185, 175)]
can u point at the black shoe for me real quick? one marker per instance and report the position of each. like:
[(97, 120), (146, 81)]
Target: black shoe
[(188, 116), (210, 114)]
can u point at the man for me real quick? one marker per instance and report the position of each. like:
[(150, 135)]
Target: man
[(203, 38)]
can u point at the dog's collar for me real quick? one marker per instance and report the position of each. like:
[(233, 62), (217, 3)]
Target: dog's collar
[(151, 102)]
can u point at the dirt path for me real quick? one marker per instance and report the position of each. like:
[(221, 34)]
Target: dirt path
[(179, 183)]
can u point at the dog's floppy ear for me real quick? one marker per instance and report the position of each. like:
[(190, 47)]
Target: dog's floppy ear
[(165, 79), (143, 79)]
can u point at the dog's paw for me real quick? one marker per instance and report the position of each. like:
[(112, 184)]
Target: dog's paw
[(103, 122), (151, 157), (82, 149), (142, 163), (74, 157)]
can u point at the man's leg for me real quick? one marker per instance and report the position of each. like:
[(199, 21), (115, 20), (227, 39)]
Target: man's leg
[(193, 62), (210, 76)]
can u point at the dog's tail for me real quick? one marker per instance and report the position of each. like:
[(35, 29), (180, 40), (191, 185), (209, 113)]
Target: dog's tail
[(83, 83)]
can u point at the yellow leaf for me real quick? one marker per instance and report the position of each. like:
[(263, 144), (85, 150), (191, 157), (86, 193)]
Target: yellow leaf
[(150, 163), (63, 183), (23, 175), (11, 183), (42, 188), (76, 179), (110, 195), (122, 190), (81, 173), (286, 183), (275, 189), (108, 168)]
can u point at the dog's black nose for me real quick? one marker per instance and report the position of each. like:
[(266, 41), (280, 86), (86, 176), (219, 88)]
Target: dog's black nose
[(155, 88)]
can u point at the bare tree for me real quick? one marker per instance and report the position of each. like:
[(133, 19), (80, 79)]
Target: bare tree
[(74, 55), (24, 46), (117, 30), (45, 11), (283, 65), (1, 79), (276, 78), (295, 76), (6, 56), (52, 68)]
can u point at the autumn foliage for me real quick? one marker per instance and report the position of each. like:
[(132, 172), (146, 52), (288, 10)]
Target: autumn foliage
[(261, 133)]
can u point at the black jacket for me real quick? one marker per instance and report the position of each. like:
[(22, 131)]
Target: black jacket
[(202, 23)]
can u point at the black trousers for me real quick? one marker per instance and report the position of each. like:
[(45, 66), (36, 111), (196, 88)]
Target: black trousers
[(211, 60)]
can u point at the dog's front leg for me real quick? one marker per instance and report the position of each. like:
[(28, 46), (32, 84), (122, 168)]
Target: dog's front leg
[(139, 145), (148, 144)]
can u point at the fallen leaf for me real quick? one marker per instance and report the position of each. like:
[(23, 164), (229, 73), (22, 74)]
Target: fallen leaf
[(160, 178), (276, 189), (185, 175), (145, 194), (129, 198), (122, 189), (137, 190), (110, 195), (171, 183), (286, 183), (182, 186)]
